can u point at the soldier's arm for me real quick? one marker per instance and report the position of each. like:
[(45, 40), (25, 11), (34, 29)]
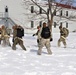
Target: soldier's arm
[(14, 33), (35, 33)]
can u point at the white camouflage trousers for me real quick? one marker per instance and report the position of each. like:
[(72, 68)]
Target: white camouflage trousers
[(44, 42)]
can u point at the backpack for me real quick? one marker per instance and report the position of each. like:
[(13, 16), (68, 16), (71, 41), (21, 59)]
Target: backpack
[(45, 33), (66, 31), (20, 32)]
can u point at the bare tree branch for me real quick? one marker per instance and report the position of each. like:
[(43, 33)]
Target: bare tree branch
[(53, 7)]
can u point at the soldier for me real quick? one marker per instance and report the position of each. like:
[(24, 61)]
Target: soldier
[(63, 34), (18, 33), (38, 27), (4, 36), (44, 36)]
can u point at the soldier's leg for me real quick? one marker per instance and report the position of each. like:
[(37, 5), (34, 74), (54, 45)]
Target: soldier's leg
[(64, 42), (8, 42), (21, 44), (40, 45), (4, 42), (14, 44), (48, 46), (59, 41), (39, 51)]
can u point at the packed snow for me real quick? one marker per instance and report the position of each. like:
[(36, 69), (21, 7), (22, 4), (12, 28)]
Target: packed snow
[(20, 62)]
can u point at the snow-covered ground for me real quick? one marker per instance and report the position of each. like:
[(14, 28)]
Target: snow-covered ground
[(20, 62)]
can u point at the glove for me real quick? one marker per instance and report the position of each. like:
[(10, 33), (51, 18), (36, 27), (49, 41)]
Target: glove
[(51, 39), (33, 35), (37, 40)]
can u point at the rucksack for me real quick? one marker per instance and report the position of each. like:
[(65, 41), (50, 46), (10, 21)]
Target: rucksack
[(20, 32), (66, 31), (45, 33)]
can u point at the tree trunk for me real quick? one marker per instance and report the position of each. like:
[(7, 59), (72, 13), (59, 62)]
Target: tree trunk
[(50, 23)]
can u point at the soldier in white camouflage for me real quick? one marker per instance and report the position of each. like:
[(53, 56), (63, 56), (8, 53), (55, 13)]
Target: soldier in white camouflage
[(44, 37), (36, 34), (4, 36), (64, 32), (17, 37)]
